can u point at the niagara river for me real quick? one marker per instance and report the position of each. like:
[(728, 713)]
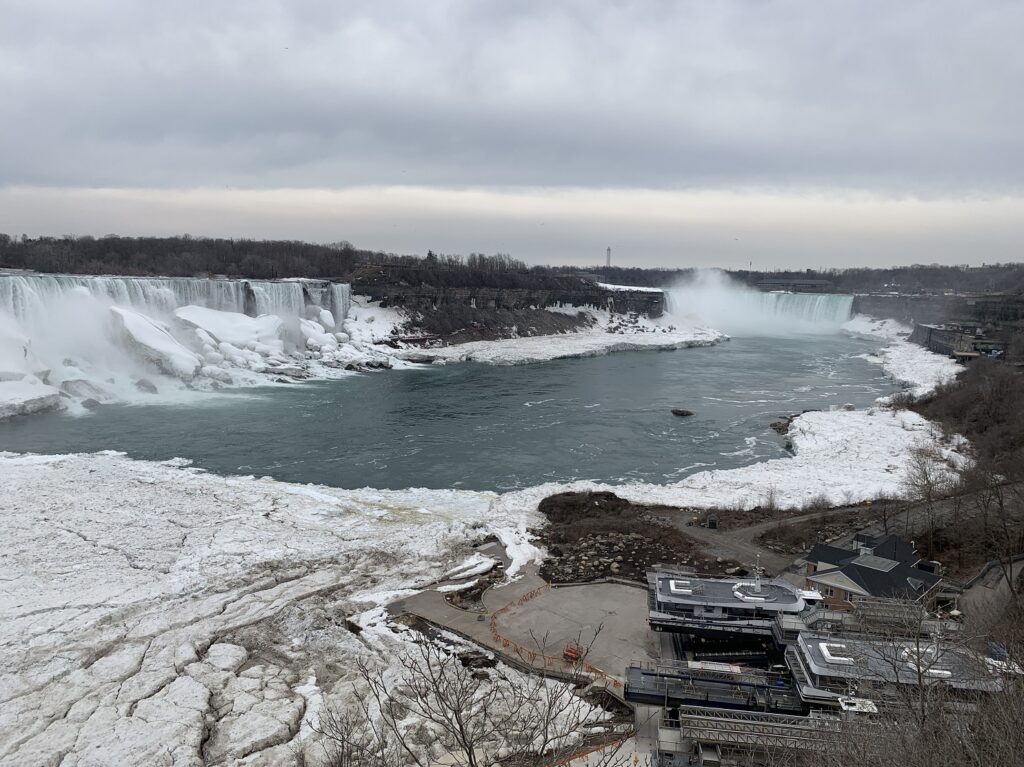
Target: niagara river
[(486, 427)]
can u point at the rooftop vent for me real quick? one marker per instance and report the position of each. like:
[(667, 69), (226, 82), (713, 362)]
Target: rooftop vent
[(875, 563), (832, 652), (680, 587)]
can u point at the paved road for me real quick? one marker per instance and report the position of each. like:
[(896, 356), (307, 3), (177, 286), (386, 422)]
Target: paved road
[(739, 543), (991, 592)]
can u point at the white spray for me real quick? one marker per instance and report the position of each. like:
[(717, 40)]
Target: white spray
[(736, 309)]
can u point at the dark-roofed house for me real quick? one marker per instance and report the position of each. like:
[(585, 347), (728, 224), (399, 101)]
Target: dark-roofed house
[(885, 568)]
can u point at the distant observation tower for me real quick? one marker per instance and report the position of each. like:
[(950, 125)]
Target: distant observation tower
[(608, 257)]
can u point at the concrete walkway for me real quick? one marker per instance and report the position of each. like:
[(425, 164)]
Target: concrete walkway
[(530, 623)]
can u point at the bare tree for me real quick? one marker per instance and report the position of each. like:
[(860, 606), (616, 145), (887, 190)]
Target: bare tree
[(924, 722), (436, 705), (927, 482)]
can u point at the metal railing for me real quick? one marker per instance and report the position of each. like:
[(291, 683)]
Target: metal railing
[(747, 728)]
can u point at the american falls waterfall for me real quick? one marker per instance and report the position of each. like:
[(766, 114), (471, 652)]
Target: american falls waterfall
[(101, 339), (739, 310)]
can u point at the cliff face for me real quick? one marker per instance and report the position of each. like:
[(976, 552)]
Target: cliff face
[(427, 298), (938, 309)]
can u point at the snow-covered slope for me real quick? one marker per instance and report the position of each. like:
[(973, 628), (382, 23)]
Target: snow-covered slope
[(119, 577)]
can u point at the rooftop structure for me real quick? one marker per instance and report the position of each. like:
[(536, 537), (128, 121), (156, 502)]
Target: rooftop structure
[(713, 685), (716, 606), (827, 668)]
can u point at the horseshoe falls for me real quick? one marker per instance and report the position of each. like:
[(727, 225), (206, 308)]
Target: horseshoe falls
[(739, 310)]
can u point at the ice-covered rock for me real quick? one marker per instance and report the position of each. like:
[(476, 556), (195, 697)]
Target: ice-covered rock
[(261, 333), (79, 388), (316, 337), (156, 344), (26, 396), (217, 374), (327, 319)]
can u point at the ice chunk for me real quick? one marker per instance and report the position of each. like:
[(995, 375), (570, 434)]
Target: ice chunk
[(156, 344), (239, 330), (27, 396)]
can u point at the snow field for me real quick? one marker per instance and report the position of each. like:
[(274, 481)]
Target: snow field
[(124, 580)]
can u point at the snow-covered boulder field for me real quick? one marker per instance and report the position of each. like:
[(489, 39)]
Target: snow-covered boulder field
[(129, 589)]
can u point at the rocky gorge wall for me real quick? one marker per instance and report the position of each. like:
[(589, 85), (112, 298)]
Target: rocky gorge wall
[(936, 309), (425, 298)]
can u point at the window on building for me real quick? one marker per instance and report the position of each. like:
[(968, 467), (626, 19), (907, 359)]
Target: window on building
[(829, 591)]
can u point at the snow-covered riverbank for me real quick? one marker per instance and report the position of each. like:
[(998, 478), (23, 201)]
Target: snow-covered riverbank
[(151, 611), (842, 456), (119, 575), (913, 365)]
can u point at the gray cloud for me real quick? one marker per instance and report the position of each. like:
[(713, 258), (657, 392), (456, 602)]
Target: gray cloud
[(909, 97)]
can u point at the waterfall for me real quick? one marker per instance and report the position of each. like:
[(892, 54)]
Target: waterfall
[(97, 337), (739, 310), (21, 295), (340, 301), (827, 309), (283, 299)]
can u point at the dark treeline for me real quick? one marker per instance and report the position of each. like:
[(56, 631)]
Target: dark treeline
[(992, 278), (475, 270), (186, 256), (180, 257)]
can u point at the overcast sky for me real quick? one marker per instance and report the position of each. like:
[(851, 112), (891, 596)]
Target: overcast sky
[(809, 133)]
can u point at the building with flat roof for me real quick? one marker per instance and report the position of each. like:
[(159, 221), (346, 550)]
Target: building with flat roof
[(826, 668), (713, 607)]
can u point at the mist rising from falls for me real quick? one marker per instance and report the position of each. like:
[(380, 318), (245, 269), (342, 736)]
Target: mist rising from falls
[(739, 310)]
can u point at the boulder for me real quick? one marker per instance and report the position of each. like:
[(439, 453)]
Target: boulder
[(83, 390), (144, 384), (154, 343), (26, 396)]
